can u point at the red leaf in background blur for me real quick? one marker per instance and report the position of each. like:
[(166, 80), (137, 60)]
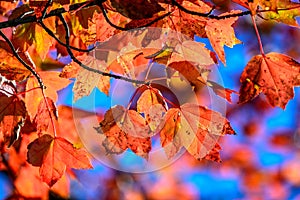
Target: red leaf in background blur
[(273, 74)]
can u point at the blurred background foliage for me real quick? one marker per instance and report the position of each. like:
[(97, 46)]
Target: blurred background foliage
[(261, 162)]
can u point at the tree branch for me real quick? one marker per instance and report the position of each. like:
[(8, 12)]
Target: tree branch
[(67, 32), (124, 28), (31, 18), (14, 51)]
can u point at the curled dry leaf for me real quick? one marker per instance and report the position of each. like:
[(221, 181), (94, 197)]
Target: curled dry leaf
[(87, 80), (53, 155), (273, 74), (115, 126)]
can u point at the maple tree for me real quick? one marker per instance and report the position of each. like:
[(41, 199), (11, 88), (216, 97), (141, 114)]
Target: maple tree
[(145, 33)]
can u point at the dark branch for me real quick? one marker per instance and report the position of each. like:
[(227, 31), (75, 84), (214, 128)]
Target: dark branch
[(31, 18), (49, 3), (67, 32), (14, 51), (124, 28), (174, 2)]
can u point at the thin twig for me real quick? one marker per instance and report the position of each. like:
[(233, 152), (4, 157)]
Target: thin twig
[(67, 36), (14, 51), (174, 2)]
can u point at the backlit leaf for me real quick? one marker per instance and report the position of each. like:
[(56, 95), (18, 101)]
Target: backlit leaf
[(286, 12), (43, 115), (194, 127), (30, 34), (87, 80), (53, 155), (53, 84), (125, 129), (11, 68), (221, 32), (273, 74)]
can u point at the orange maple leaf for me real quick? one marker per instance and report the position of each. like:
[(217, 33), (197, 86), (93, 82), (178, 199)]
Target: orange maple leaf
[(194, 127), (125, 129), (53, 83), (273, 74), (220, 33), (53, 155), (87, 80)]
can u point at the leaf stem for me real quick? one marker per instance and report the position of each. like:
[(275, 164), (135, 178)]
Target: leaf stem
[(24, 92), (258, 36)]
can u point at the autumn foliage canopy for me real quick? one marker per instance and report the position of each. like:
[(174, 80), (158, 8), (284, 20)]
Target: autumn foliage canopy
[(125, 40)]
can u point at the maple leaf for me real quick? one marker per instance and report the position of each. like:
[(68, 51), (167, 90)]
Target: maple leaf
[(87, 80), (98, 30), (53, 84), (10, 67), (152, 104), (140, 10), (221, 32), (32, 34), (214, 154), (184, 23), (194, 127), (285, 12), (12, 112), (130, 62), (125, 129), (273, 74), (53, 155), (198, 76), (29, 185), (43, 115), (194, 52)]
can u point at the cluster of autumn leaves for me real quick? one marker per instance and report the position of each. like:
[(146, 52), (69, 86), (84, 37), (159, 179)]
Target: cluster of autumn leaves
[(191, 126)]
